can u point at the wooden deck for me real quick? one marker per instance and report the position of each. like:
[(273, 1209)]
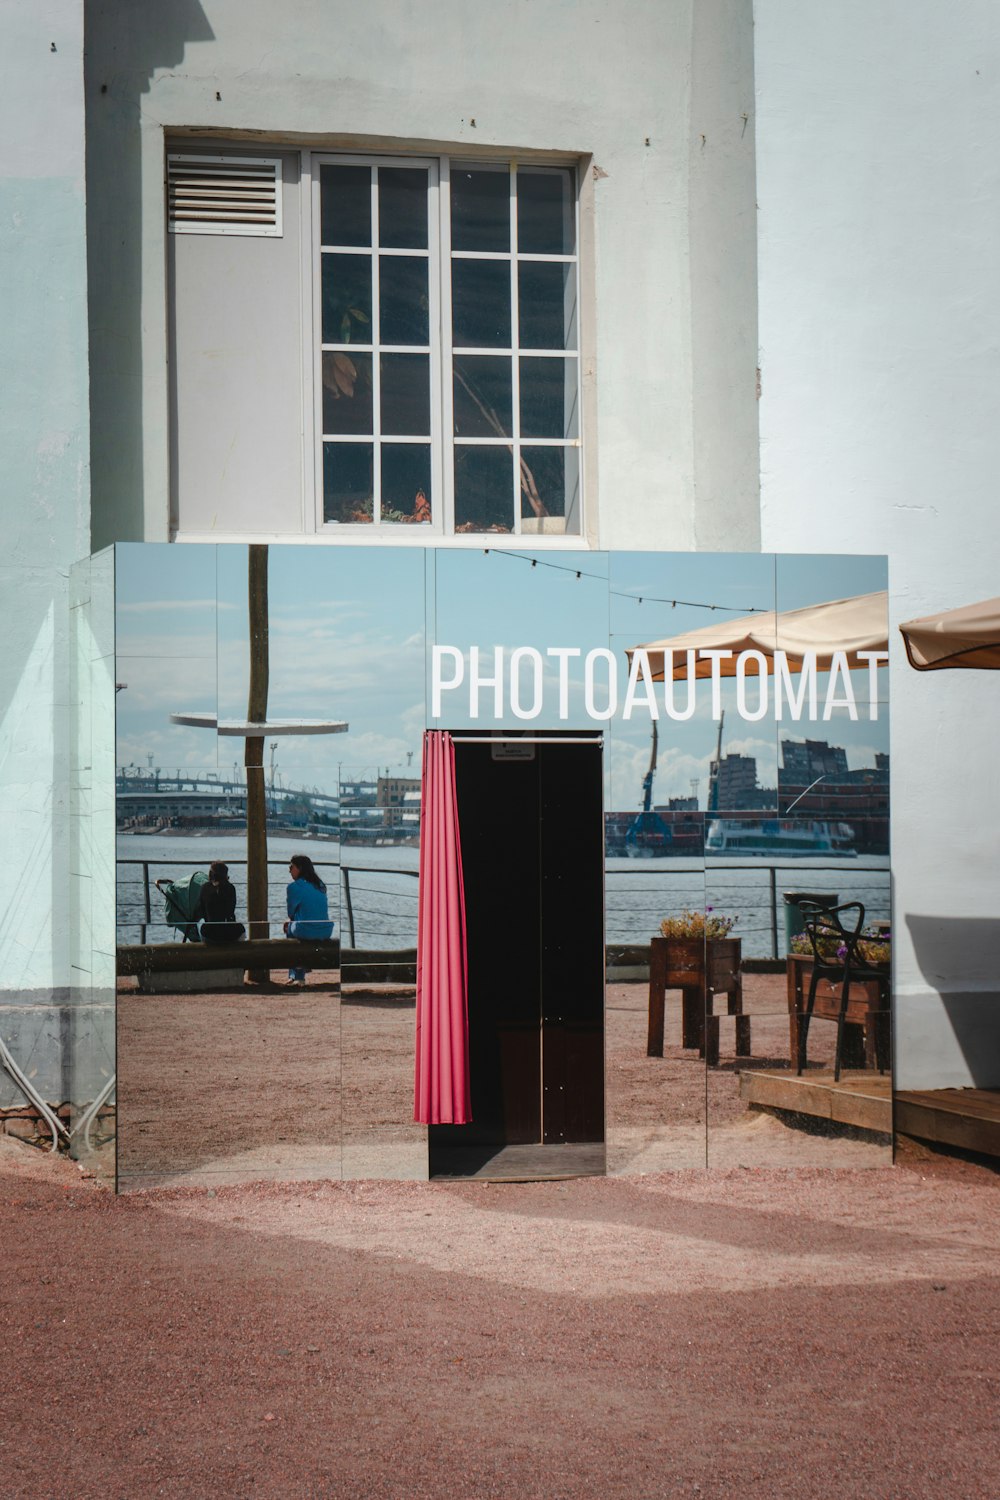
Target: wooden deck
[(861, 1098), (967, 1118)]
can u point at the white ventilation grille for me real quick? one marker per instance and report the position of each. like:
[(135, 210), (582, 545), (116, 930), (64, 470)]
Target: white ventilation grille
[(224, 195)]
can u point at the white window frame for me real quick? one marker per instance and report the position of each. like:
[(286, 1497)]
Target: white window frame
[(442, 440)]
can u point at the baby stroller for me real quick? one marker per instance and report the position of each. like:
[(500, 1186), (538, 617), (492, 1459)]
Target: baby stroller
[(181, 903)]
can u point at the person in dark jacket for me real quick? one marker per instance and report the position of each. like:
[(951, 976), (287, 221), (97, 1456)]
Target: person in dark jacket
[(217, 907)]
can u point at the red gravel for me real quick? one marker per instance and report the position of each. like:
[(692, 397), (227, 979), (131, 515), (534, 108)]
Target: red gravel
[(755, 1333)]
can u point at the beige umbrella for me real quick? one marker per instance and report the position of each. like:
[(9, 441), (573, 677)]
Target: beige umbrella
[(967, 637), (848, 625)]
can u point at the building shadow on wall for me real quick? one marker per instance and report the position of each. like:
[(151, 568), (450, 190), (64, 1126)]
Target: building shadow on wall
[(120, 60), (960, 958)]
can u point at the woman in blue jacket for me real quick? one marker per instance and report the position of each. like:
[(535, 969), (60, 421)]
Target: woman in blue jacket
[(308, 912)]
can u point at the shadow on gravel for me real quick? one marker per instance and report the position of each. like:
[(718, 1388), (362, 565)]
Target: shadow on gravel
[(630, 1205)]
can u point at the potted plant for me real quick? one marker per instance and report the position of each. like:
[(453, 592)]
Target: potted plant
[(874, 947)]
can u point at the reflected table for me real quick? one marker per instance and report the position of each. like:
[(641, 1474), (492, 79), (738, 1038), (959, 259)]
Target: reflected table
[(866, 1028), (700, 971)]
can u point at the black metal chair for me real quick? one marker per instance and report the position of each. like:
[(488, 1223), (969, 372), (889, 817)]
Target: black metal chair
[(837, 958)]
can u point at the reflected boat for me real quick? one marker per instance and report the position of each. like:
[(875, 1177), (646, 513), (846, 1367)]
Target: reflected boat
[(779, 838)]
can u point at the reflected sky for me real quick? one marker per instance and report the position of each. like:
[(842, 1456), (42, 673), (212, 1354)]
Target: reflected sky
[(655, 596), (346, 642), (348, 628)]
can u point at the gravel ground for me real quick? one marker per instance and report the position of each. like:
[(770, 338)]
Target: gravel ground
[(751, 1332), (237, 1086)]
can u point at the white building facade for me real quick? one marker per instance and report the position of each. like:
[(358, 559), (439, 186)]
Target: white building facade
[(628, 191), (880, 364)]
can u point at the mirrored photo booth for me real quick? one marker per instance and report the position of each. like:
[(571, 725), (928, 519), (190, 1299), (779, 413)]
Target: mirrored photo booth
[(410, 862)]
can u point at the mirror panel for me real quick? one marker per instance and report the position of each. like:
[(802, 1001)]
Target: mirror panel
[(655, 1083), (827, 839), (666, 783), (656, 1118), (547, 611), (226, 1074), (89, 1113), (376, 652), (377, 1010)]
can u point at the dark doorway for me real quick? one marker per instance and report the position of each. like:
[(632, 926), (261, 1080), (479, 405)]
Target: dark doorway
[(531, 822)]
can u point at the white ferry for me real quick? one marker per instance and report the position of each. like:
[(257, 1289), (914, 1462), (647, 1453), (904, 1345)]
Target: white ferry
[(779, 838)]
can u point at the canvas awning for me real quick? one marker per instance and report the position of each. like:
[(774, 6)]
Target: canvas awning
[(966, 637), (847, 625)]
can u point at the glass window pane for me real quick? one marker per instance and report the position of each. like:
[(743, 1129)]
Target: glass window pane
[(347, 393), (483, 489), (546, 305), (406, 393), (545, 212), (483, 395), (406, 483), (346, 205), (347, 482), (550, 490), (347, 299), (403, 302), (549, 398), (480, 304), (402, 208), (480, 209)]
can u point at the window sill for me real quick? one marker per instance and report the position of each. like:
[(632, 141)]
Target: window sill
[(365, 537)]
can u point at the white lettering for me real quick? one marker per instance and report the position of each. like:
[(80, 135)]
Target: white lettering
[(874, 660), (562, 655), (639, 671), (525, 653), (438, 685), (476, 681), (783, 685), (673, 711), (839, 669), (716, 658), (741, 684), (795, 689), (600, 653)]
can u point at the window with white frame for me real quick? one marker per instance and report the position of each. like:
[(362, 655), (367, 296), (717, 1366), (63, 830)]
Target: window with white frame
[(448, 394)]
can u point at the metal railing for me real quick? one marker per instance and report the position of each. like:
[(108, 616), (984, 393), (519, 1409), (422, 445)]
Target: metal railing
[(636, 898), (751, 892), (131, 918)]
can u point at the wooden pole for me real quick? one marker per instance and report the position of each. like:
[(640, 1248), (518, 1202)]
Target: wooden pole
[(254, 755)]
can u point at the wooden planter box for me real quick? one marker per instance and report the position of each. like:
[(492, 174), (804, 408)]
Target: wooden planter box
[(700, 971)]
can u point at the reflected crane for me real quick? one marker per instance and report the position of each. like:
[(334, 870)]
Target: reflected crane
[(648, 836)]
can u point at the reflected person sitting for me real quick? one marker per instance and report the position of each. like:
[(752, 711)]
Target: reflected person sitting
[(217, 907), (308, 911)]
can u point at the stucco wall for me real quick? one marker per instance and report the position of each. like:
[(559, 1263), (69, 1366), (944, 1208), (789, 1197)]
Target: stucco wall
[(44, 450), (43, 440), (878, 184), (658, 92)]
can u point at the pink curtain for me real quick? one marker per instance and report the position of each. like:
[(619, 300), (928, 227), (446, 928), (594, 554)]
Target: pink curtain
[(441, 1082)]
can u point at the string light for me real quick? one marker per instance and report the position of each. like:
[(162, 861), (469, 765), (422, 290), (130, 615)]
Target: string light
[(537, 562)]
